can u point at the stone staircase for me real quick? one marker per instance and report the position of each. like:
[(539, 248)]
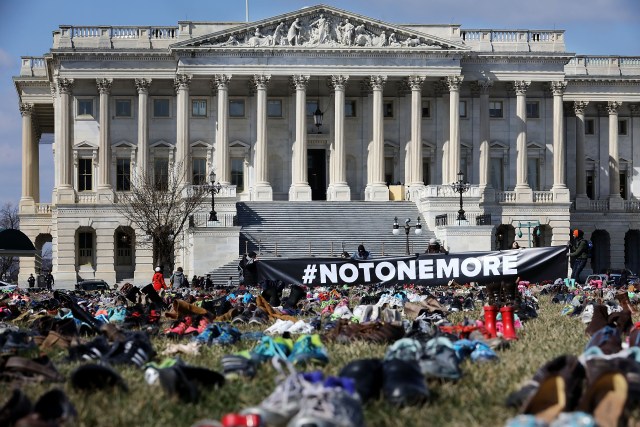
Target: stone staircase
[(323, 229)]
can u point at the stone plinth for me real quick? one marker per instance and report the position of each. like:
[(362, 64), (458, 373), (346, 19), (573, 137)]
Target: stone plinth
[(466, 238)]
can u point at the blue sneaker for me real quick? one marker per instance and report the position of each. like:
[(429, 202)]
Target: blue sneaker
[(270, 347), (118, 315), (309, 348)]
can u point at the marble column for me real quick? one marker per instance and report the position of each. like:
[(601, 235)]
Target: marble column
[(582, 200), (65, 193), (486, 188), (300, 189), (143, 173), (221, 84), (559, 189), (454, 83), (615, 200), (104, 189), (182, 165), (262, 188), (376, 188), (27, 204), (416, 184), (35, 156), (523, 190), (442, 90), (338, 187)]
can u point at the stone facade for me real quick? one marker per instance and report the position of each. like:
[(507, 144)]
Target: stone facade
[(542, 135)]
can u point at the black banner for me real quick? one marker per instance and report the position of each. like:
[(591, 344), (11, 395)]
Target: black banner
[(533, 265)]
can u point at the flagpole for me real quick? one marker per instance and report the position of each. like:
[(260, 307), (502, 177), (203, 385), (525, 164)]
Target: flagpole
[(246, 3)]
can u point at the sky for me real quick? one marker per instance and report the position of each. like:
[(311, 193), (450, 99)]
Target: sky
[(593, 27)]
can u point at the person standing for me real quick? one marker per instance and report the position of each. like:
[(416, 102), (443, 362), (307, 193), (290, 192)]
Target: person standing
[(435, 248), (177, 279), (249, 269), (31, 281), (361, 254), (579, 253), (158, 280), (49, 281)]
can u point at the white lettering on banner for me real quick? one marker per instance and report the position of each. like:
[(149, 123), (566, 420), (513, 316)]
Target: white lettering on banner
[(386, 271)]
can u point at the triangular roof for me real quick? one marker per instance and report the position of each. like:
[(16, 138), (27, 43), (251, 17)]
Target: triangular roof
[(319, 27)]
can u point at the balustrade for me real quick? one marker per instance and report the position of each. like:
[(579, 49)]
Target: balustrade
[(632, 205), (86, 197), (43, 208), (542, 197)]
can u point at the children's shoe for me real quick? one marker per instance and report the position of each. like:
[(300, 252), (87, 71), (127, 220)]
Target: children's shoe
[(238, 365), (301, 327), (279, 328), (309, 348), (118, 315), (272, 347)]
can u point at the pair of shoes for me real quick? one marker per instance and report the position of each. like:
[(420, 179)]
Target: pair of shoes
[(185, 382), (400, 381), (308, 349), (436, 358), (52, 409), (93, 377), (40, 368)]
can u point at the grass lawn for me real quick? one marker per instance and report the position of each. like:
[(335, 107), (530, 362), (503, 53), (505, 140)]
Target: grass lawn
[(475, 400)]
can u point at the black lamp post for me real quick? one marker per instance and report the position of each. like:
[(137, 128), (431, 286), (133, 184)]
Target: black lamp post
[(215, 189), (318, 115), (460, 186), (407, 228)]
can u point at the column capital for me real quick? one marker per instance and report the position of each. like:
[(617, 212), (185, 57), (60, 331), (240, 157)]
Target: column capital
[(454, 82), (635, 109), (143, 85), (521, 86), (612, 107), (415, 82), (299, 81), (558, 87), (182, 82), (65, 85), (580, 106), (337, 81), (260, 81), (220, 81), (104, 86), (376, 82), (26, 109)]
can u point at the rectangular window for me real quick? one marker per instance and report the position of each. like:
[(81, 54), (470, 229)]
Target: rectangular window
[(497, 173), (533, 109), (387, 109), (463, 108), (161, 108), (388, 170), (589, 127), (312, 106), (123, 108), (274, 108), (236, 108), (198, 108), (426, 170), (85, 248), (591, 187), (426, 109), (622, 127), (123, 174), (85, 107), (495, 109), (85, 174), (199, 171), (533, 173), (350, 108), (237, 174), (623, 184), (161, 174)]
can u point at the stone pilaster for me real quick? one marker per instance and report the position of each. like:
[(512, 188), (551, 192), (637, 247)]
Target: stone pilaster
[(104, 189), (142, 86), (486, 189), (262, 189), (300, 189), (338, 187), (523, 190), (65, 192), (181, 83), (615, 200), (454, 83), (27, 203), (220, 83), (582, 201), (376, 188), (559, 189)]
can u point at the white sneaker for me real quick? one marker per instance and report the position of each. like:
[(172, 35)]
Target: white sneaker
[(278, 328), (300, 327)]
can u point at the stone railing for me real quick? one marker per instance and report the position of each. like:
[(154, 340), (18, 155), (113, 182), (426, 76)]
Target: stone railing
[(514, 40), (632, 205), (201, 219), (43, 208), (542, 197), (33, 66), (225, 191), (599, 205), (114, 37), (436, 191), (505, 196), (86, 197), (451, 218), (603, 66)]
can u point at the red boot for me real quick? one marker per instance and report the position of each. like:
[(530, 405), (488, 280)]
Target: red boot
[(508, 329), (490, 313)]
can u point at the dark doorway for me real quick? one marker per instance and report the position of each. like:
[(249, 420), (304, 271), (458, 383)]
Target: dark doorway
[(601, 257), (317, 173), (632, 250)]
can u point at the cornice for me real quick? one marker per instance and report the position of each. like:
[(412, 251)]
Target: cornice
[(120, 54), (322, 53), (585, 81), (515, 58)]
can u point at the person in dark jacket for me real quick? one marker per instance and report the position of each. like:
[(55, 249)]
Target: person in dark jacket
[(435, 248), (249, 269), (361, 254), (579, 253)]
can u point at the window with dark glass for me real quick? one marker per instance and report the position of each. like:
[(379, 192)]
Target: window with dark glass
[(237, 174), (85, 174), (124, 248), (236, 108), (85, 248), (123, 174), (123, 108), (274, 108), (622, 127), (312, 106), (199, 108), (589, 127), (426, 109), (199, 171), (161, 108), (161, 174), (463, 108), (387, 109), (533, 110), (350, 108), (85, 107), (495, 109)]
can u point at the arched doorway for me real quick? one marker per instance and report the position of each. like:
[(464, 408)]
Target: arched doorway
[(601, 257), (124, 257), (632, 250), (504, 237), (541, 236), (85, 253)]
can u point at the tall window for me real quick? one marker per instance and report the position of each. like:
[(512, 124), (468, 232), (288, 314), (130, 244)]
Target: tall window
[(622, 127), (495, 109), (161, 108), (274, 108), (85, 175), (312, 106), (123, 248), (123, 174), (497, 173), (533, 173), (85, 248), (85, 107), (387, 109), (236, 108), (426, 109), (589, 127), (426, 170), (591, 187), (123, 108), (623, 184), (199, 171), (237, 174), (161, 174), (463, 108), (199, 108), (533, 109), (350, 108), (388, 170)]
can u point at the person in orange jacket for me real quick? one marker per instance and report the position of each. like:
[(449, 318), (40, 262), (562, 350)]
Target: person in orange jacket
[(158, 280)]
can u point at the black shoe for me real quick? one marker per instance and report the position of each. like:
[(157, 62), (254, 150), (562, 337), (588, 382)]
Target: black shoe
[(367, 375), (54, 406), (96, 377), (136, 350), (403, 383), (175, 383), (18, 406), (93, 350)]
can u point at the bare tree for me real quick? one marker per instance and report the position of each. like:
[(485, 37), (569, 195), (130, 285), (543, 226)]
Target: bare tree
[(9, 265), (161, 206)]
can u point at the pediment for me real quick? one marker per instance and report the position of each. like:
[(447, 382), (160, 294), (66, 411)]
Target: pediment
[(123, 144), (320, 27), (161, 144), (85, 145)]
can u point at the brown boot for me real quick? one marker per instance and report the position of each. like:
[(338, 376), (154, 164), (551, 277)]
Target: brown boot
[(625, 303), (273, 314)]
